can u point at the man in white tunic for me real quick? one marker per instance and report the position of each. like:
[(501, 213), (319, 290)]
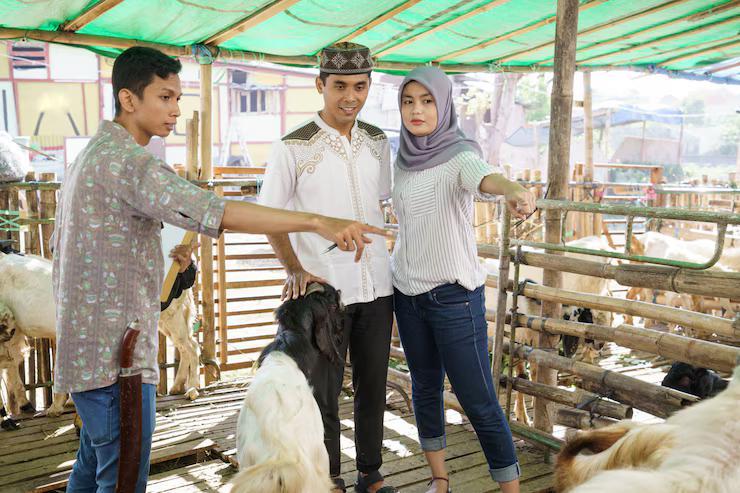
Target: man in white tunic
[(335, 164)]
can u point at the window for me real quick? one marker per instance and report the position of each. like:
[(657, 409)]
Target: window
[(30, 60)]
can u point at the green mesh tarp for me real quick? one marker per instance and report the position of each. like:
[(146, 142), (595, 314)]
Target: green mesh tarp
[(677, 35)]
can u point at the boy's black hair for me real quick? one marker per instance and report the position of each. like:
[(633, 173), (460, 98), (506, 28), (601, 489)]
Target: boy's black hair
[(135, 68), (324, 75)]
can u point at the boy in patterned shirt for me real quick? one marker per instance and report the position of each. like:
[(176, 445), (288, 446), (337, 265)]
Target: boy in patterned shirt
[(107, 261)]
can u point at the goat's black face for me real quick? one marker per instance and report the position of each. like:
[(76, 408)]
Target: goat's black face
[(314, 321), (700, 382)]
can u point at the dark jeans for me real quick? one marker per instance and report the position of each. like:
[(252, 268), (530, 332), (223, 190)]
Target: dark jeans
[(367, 333), (96, 467), (445, 330)]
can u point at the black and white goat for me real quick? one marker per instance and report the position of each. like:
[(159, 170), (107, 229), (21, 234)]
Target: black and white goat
[(280, 433)]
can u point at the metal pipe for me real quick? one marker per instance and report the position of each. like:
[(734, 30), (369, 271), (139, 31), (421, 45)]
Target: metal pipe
[(626, 210)]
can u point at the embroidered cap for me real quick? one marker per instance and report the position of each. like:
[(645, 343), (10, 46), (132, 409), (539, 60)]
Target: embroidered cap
[(346, 58)]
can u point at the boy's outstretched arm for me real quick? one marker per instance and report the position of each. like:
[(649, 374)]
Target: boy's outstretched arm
[(245, 217)]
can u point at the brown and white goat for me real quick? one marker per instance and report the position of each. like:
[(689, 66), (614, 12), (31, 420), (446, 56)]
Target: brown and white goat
[(696, 450)]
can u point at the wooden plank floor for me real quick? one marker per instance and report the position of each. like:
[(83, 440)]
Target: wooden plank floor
[(404, 464), (41, 454)]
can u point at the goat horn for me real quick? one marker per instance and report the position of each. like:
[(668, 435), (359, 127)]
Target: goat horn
[(314, 287)]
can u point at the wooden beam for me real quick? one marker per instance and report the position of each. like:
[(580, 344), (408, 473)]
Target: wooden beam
[(561, 109), (509, 35), (206, 243), (662, 39), (89, 15), (588, 127), (380, 19), (670, 52), (663, 25), (694, 54), (258, 17), (723, 68), (606, 25), (441, 27)]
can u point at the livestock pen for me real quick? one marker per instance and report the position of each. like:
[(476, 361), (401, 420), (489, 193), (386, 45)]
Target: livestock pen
[(240, 280)]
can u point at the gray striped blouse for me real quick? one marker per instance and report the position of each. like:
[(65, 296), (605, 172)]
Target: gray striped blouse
[(436, 242)]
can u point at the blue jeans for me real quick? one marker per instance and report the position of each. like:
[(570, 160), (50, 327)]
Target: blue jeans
[(445, 330), (96, 467)]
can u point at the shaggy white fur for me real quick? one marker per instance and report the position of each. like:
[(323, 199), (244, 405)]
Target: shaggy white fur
[(280, 435), (27, 291), (697, 450)]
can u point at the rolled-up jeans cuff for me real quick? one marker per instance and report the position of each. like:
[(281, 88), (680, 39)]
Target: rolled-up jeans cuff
[(433, 444), (508, 473)]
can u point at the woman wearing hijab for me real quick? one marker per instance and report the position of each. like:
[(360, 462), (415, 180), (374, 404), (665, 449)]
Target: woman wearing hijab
[(438, 281)]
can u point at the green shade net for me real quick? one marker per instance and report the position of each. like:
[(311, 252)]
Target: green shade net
[(685, 35)]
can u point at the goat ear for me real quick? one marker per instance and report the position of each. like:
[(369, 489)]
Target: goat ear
[(323, 336)]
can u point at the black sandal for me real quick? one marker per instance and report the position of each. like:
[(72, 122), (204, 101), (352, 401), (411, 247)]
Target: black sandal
[(364, 482), (447, 480), (339, 484)]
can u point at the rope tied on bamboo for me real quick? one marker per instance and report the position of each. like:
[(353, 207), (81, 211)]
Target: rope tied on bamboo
[(597, 398)]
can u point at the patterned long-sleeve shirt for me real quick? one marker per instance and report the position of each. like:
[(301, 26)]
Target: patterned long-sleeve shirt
[(108, 264)]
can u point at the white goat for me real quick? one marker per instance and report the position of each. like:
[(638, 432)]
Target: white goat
[(176, 322), (13, 348), (27, 290)]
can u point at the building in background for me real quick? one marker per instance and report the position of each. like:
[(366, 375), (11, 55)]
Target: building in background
[(56, 95)]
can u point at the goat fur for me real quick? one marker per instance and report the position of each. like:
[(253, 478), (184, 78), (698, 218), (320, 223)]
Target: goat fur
[(696, 450)]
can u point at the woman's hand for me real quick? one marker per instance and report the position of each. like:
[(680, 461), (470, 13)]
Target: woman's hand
[(348, 235), (519, 200)]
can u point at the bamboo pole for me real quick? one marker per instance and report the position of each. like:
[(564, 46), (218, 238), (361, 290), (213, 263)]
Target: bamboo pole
[(583, 420), (588, 121), (654, 399), (47, 210), (696, 352), (223, 335), (578, 398), (561, 108), (699, 321), (191, 147), (701, 282), (33, 246), (206, 243), (498, 339)]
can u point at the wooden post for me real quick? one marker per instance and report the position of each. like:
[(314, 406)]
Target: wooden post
[(561, 109), (191, 147), (607, 133), (33, 246), (588, 127), (206, 243), (536, 146), (223, 335), (48, 210), (503, 272)]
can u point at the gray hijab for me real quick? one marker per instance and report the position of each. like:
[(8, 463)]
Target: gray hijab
[(447, 140)]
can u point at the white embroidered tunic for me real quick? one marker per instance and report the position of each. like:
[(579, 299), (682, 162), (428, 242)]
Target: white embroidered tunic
[(314, 169)]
